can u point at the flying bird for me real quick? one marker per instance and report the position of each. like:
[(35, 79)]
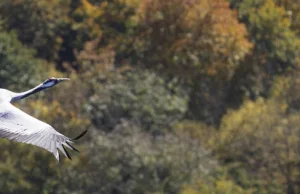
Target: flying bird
[(18, 126)]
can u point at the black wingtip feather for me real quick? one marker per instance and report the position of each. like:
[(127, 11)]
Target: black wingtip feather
[(81, 135), (72, 147), (67, 152)]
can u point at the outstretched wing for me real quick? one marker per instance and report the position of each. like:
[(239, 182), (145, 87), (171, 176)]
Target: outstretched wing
[(18, 126)]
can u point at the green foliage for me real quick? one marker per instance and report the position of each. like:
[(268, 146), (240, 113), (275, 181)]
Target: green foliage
[(221, 185), (292, 8), (276, 48), (286, 89), (270, 29), (17, 60), (38, 23), (128, 160), (140, 96), (260, 141)]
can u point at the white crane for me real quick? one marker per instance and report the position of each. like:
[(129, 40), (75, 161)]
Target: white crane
[(18, 126)]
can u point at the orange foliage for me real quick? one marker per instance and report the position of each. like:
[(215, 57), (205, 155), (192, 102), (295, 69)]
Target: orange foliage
[(196, 36)]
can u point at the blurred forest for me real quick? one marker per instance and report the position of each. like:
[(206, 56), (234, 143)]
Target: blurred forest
[(179, 96)]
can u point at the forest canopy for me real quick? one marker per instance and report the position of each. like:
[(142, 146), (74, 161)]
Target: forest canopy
[(178, 96)]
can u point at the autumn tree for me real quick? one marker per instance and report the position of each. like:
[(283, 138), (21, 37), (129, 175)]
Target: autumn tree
[(259, 143), (276, 48)]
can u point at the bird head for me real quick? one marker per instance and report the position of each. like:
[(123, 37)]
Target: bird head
[(52, 82)]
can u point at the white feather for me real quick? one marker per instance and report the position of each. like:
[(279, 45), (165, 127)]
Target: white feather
[(18, 126)]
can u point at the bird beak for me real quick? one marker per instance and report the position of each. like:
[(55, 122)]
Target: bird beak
[(63, 79)]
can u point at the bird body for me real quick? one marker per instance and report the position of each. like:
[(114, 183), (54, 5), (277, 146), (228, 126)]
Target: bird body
[(18, 126), (5, 95)]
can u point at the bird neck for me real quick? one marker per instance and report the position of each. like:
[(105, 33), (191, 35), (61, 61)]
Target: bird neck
[(19, 96)]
